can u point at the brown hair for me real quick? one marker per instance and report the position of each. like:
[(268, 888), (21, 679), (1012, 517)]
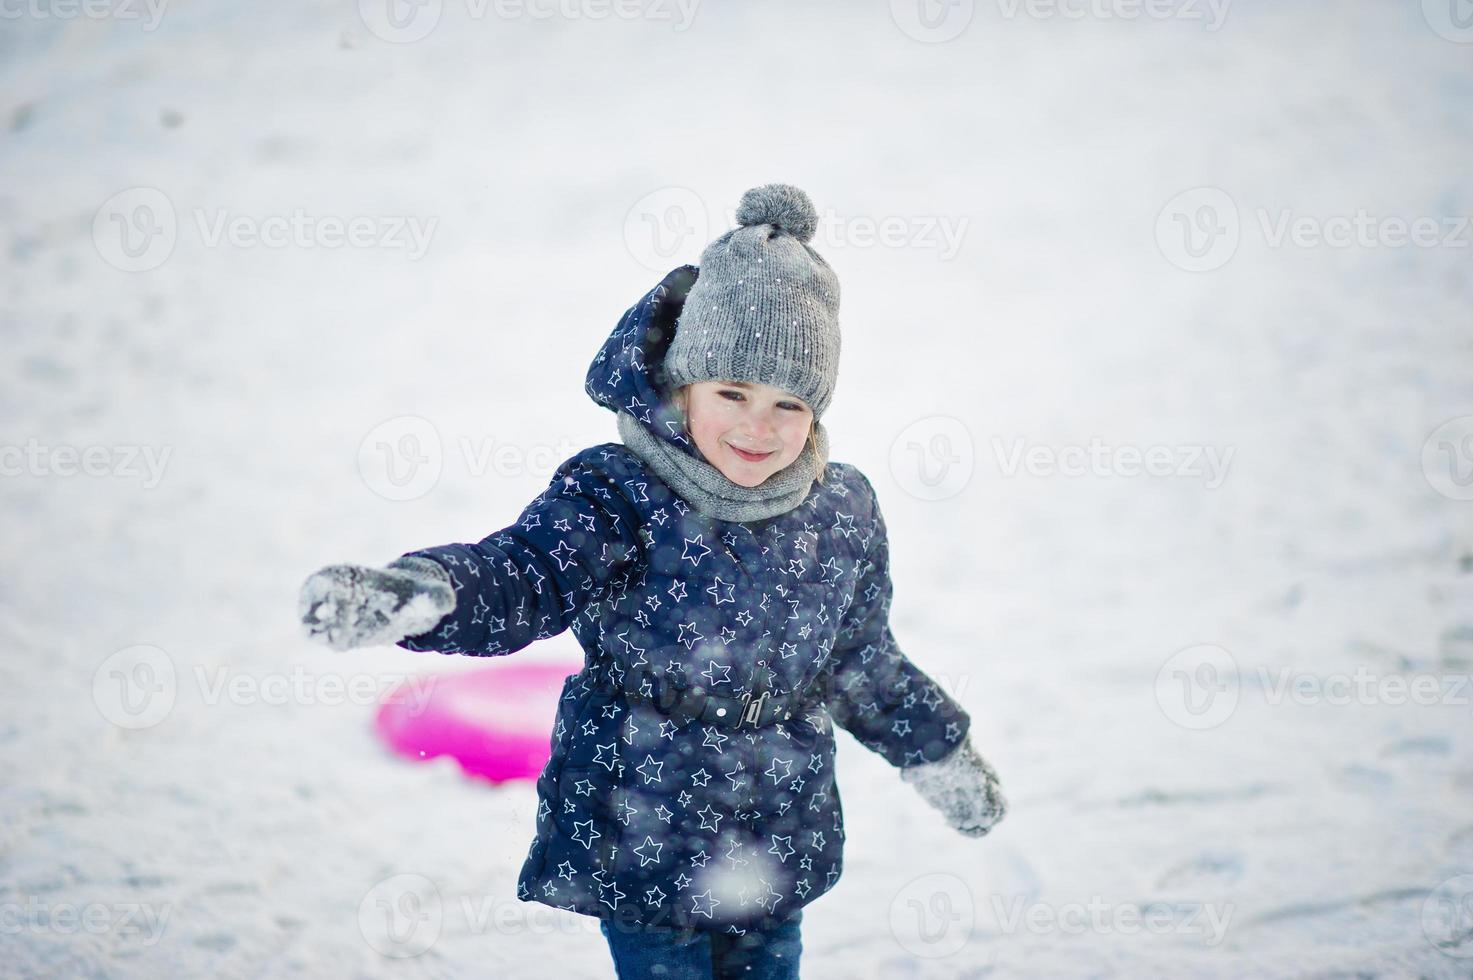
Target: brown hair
[(680, 398)]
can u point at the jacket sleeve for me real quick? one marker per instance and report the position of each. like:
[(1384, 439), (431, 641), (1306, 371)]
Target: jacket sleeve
[(874, 691), (531, 579)]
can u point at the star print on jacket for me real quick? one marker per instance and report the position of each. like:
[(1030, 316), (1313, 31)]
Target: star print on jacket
[(645, 817)]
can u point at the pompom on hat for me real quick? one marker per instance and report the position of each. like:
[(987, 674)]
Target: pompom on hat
[(765, 306)]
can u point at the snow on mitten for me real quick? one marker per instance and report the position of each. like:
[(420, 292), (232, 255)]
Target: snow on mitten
[(348, 606), (963, 787)]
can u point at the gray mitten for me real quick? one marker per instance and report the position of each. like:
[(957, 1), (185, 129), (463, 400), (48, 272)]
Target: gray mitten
[(963, 787), (348, 606)]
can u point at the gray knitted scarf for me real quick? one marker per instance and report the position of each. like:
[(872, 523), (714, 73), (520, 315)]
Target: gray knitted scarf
[(709, 491)]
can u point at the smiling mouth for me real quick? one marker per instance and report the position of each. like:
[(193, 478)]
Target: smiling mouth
[(749, 457)]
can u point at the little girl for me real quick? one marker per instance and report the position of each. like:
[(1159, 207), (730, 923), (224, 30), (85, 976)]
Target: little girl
[(730, 588)]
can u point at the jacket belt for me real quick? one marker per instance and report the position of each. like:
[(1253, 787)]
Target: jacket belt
[(757, 709)]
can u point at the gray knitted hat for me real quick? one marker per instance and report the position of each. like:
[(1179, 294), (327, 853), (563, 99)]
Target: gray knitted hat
[(765, 307)]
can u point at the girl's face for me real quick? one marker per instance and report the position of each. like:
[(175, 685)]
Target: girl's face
[(747, 431)]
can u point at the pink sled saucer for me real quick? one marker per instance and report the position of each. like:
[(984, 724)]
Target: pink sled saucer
[(496, 722)]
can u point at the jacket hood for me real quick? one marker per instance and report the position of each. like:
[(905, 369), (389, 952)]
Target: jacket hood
[(629, 372)]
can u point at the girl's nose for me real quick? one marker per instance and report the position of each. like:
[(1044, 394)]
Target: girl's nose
[(761, 429)]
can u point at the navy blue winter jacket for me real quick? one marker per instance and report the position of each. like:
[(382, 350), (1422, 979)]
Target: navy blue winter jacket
[(641, 817)]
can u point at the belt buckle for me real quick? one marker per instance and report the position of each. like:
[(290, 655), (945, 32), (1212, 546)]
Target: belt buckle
[(753, 708)]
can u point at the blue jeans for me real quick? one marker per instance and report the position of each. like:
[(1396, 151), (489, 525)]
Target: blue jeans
[(766, 953)]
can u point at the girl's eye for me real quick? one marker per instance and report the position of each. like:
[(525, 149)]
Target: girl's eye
[(737, 396)]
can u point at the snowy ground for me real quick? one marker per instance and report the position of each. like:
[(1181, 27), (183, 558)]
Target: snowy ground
[(1080, 617)]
